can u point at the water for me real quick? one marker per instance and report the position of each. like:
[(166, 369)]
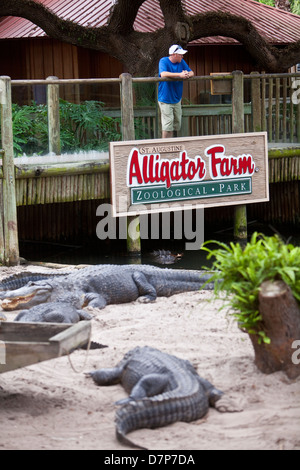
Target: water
[(114, 252), (95, 253)]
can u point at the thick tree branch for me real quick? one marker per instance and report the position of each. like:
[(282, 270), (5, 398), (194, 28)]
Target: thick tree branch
[(176, 21), (239, 28), (55, 27), (172, 12), (123, 15)]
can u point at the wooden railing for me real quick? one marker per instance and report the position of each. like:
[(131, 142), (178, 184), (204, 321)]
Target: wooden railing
[(271, 103), (274, 107)]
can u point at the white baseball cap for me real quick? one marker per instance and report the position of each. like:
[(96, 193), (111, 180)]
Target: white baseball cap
[(175, 49)]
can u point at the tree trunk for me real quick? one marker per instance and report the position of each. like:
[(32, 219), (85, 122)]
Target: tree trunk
[(281, 319)]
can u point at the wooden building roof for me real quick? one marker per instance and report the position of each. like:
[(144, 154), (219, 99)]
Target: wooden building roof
[(277, 26)]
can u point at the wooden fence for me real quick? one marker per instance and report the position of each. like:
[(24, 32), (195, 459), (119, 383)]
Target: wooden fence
[(274, 107), (271, 103), (271, 108)]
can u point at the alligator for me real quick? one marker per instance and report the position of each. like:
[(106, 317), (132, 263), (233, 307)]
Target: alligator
[(165, 256), (100, 285), (162, 389), (57, 312), (53, 312)]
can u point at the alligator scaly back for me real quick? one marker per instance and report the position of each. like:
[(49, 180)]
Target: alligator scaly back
[(15, 281)]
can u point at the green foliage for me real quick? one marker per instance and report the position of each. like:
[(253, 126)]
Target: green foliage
[(82, 127), (85, 126), (267, 2), (240, 272), (295, 5), (30, 132)]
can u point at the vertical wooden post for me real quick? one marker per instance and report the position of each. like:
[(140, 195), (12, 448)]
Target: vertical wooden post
[(11, 245), (127, 126), (263, 104), (277, 109), (53, 117), (298, 122), (157, 134), (2, 246), (237, 101), (127, 116), (256, 103), (240, 212), (270, 111)]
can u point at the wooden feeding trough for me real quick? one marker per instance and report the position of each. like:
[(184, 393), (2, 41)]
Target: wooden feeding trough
[(23, 344)]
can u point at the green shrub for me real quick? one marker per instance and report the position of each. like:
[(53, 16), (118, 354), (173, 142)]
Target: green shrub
[(30, 130), (82, 127), (239, 272), (85, 127)]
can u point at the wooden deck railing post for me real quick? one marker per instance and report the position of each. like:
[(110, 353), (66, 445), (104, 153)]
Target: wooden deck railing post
[(298, 121), (157, 133), (11, 245), (256, 103), (2, 245), (128, 133), (53, 117), (240, 211)]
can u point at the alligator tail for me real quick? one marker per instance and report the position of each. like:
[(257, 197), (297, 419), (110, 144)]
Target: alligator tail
[(126, 422), (127, 442), (158, 411)]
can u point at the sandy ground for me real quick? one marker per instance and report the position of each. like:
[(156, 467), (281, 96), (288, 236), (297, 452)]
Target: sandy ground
[(53, 405)]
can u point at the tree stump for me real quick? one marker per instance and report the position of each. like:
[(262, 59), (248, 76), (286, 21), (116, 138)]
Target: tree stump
[(281, 322)]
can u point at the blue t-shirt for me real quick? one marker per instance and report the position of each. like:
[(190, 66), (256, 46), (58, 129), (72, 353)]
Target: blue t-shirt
[(171, 91)]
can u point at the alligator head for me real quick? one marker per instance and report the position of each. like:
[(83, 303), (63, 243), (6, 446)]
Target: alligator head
[(33, 293)]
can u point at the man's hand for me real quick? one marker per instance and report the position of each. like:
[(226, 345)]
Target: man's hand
[(185, 74)]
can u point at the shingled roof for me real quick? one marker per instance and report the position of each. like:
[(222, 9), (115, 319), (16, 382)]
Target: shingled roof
[(277, 26)]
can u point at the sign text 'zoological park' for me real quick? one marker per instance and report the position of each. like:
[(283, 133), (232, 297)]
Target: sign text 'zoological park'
[(215, 170)]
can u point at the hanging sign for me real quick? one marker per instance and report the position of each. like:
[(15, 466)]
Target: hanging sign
[(172, 174)]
